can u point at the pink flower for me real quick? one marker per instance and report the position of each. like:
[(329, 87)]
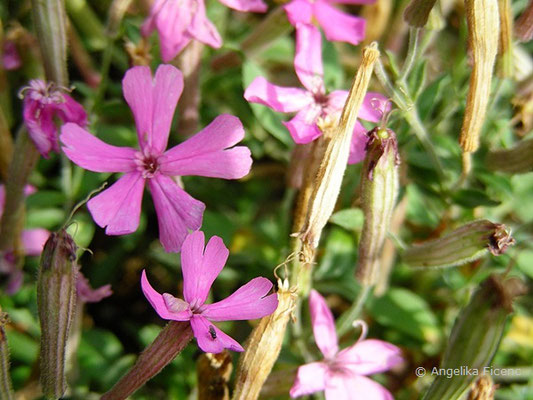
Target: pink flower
[(32, 242), (200, 268), (205, 154), (337, 26), (43, 102), (87, 294), (180, 21), (313, 103), (10, 56), (342, 373)]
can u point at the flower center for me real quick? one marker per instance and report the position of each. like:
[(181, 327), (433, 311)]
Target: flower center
[(45, 93), (147, 163)]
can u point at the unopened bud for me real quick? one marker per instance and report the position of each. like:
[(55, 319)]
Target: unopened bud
[(263, 347), (56, 298), (417, 12), (524, 24), (333, 164), (482, 389), (483, 35), (475, 336), (379, 189), (465, 244), (517, 160)]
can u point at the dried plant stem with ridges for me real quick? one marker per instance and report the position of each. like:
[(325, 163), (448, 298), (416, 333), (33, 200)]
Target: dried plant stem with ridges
[(464, 244), (482, 389), (483, 35), (263, 347), (214, 373), (505, 51), (166, 346)]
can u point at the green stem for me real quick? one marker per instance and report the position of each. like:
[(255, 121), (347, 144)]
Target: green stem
[(412, 53), (6, 387), (345, 322)]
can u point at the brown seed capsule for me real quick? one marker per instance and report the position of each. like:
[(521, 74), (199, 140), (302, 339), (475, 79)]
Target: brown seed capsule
[(214, 372), (417, 12)]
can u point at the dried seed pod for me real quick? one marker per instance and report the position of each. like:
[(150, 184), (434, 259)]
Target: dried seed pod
[(214, 372), (483, 35), (464, 244), (417, 12), (56, 299), (263, 346), (482, 389), (331, 170), (475, 336), (524, 24), (379, 189), (505, 53), (517, 160)]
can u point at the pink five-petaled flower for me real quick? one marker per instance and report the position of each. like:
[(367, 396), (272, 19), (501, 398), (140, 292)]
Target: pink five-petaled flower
[(200, 268), (313, 103), (205, 154), (337, 26), (31, 240), (342, 373), (43, 102), (180, 21)]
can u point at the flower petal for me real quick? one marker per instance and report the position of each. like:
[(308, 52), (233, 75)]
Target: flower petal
[(358, 144), (41, 126), (299, 11), (339, 26), (86, 293), (302, 127), (171, 19), (278, 98), (119, 207), (336, 101), (153, 103), (200, 268), (89, 152), (351, 1), (246, 5), (323, 325), (308, 58), (71, 111), (204, 154), (342, 387), (373, 107), (33, 240), (177, 211), (157, 301), (248, 302), (211, 339), (370, 356), (202, 29), (310, 378)]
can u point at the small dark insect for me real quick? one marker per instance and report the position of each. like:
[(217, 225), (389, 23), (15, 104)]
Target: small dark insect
[(212, 332)]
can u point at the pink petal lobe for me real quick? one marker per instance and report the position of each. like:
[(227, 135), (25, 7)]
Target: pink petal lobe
[(71, 111), (373, 107), (33, 240), (168, 86), (41, 126), (358, 144), (158, 303), (342, 387), (200, 268), (370, 356), (351, 1), (246, 5), (89, 152), (299, 11), (204, 154), (278, 98), (87, 294), (211, 339), (308, 58), (323, 325), (171, 19), (177, 212), (339, 26), (118, 208), (336, 101), (310, 378), (248, 302), (202, 29), (302, 127)]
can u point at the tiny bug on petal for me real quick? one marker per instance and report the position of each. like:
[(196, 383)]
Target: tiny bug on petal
[(212, 332)]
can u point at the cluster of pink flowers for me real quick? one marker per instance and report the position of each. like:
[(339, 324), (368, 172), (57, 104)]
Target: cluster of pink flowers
[(212, 152)]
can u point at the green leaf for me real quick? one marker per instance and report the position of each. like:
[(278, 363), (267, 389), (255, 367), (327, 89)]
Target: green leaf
[(471, 198), (431, 96), (48, 218), (407, 312), (351, 218)]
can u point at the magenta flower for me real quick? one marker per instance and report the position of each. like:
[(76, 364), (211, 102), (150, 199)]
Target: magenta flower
[(313, 103), (118, 208), (43, 102), (342, 374), (31, 241), (86, 293), (200, 268), (10, 56), (337, 26), (180, 21)]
